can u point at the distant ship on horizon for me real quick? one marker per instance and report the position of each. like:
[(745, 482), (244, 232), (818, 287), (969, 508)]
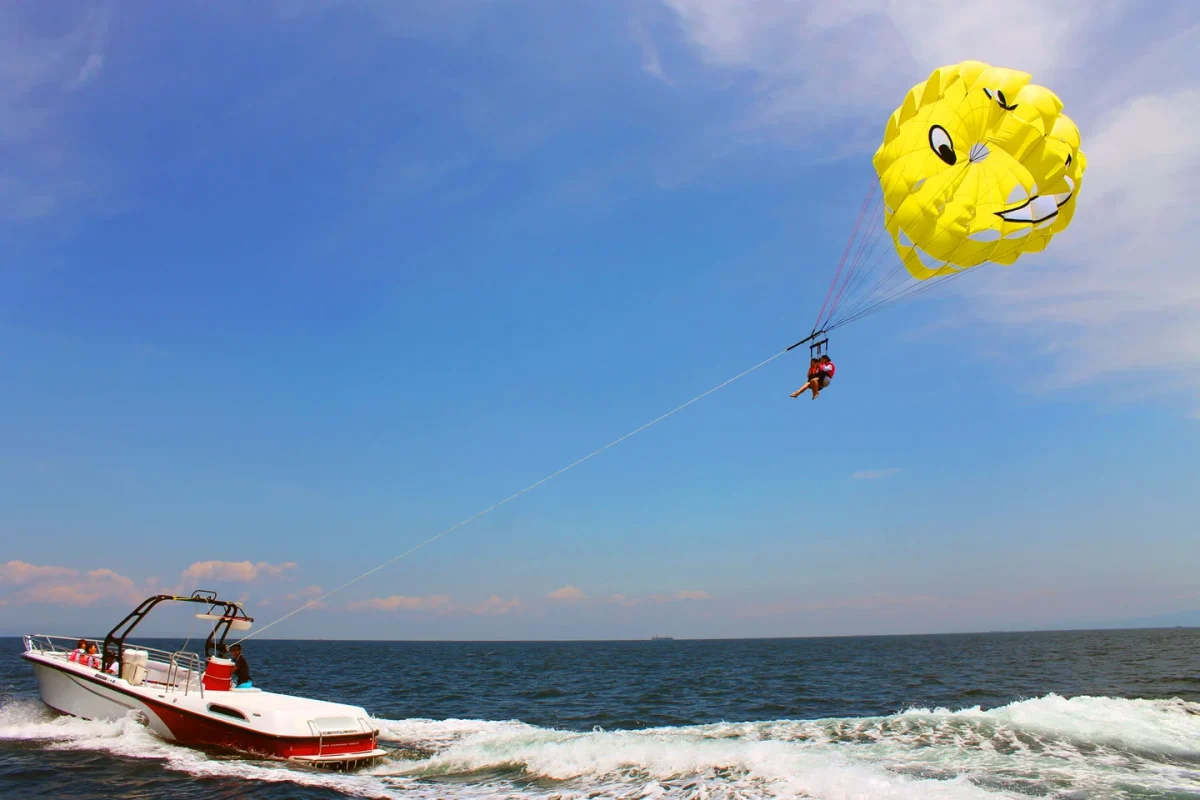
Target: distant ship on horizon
[(657, 637)]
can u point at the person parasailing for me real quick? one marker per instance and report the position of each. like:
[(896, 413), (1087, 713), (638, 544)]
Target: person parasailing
[(820, 373), (814, 372)]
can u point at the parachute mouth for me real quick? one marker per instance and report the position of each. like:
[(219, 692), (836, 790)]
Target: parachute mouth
[(927, 261), (1039, 208)]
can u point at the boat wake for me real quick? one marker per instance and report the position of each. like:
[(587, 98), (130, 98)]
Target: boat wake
[(1051, 746)]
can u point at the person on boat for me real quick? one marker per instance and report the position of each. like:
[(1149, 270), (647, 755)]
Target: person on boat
[(92, 659), (241, 670), (79, 654)]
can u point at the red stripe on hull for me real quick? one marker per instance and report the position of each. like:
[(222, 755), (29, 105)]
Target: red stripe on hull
[(190, 728), (193, 729)]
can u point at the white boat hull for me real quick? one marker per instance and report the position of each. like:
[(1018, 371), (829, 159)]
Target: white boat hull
[(266, 724), (69, 693)]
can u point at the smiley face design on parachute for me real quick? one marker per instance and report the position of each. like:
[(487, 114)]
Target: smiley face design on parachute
[(978, 165)]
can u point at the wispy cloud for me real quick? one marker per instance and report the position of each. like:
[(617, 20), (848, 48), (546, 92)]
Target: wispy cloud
[(66, 586), (873, 474), (821, 63), (1124, 297), (567, 594), (879, 602), (38, 74), (495, 606), (651, 63), (442, 604), (20, 572), (680, 596), (308, 594), (90, 69), (235, 571)]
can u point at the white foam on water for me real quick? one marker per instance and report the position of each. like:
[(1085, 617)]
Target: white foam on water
[(1048, 746), (439, 733), (1169, 727), (31, 721), (666, 762)]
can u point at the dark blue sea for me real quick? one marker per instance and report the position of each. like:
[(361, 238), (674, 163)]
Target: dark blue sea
[(1092, 714)]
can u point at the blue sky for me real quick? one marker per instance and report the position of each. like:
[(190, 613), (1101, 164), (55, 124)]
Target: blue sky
[(287, 289)]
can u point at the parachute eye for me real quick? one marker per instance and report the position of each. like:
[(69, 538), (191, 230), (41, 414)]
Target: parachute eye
[(999, 97), (940, 143), (1068, 160)]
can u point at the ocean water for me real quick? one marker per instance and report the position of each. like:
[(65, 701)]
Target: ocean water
[(1090, 714)]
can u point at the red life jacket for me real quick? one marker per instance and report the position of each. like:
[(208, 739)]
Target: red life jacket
[(828, 368)]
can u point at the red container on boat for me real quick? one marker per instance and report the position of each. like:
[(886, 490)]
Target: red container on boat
[(218, 675)]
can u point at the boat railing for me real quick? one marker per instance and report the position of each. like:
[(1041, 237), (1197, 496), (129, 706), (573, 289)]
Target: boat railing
[(52, 643), (174, 671), (187, 664), (48, 643), (177, 670)]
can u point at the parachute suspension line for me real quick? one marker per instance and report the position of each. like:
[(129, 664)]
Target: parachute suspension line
[(849, 242), (855, 275), (893, 286), (527, 489), (864, 274), (870, 283), (921, 287)]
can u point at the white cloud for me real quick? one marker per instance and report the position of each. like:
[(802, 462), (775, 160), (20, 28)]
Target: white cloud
[(239, 571), (495, 606), (38, 72), (20, 572), (397, 602), (816, 63), (873, 474), (651, 63), (1031, 35), (682, 595), (1124, 295), (90, 69), (567, 594), (442, 604), (66, 586)]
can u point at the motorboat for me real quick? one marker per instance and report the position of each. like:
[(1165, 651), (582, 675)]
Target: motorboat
[(192, 701)]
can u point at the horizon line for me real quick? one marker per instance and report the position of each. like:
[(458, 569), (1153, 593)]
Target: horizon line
[(996, 631)]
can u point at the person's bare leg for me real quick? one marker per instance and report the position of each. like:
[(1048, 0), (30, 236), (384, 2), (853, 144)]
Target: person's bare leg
[(810, 385)]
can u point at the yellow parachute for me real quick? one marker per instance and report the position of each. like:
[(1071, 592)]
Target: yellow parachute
[(977, 164)]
